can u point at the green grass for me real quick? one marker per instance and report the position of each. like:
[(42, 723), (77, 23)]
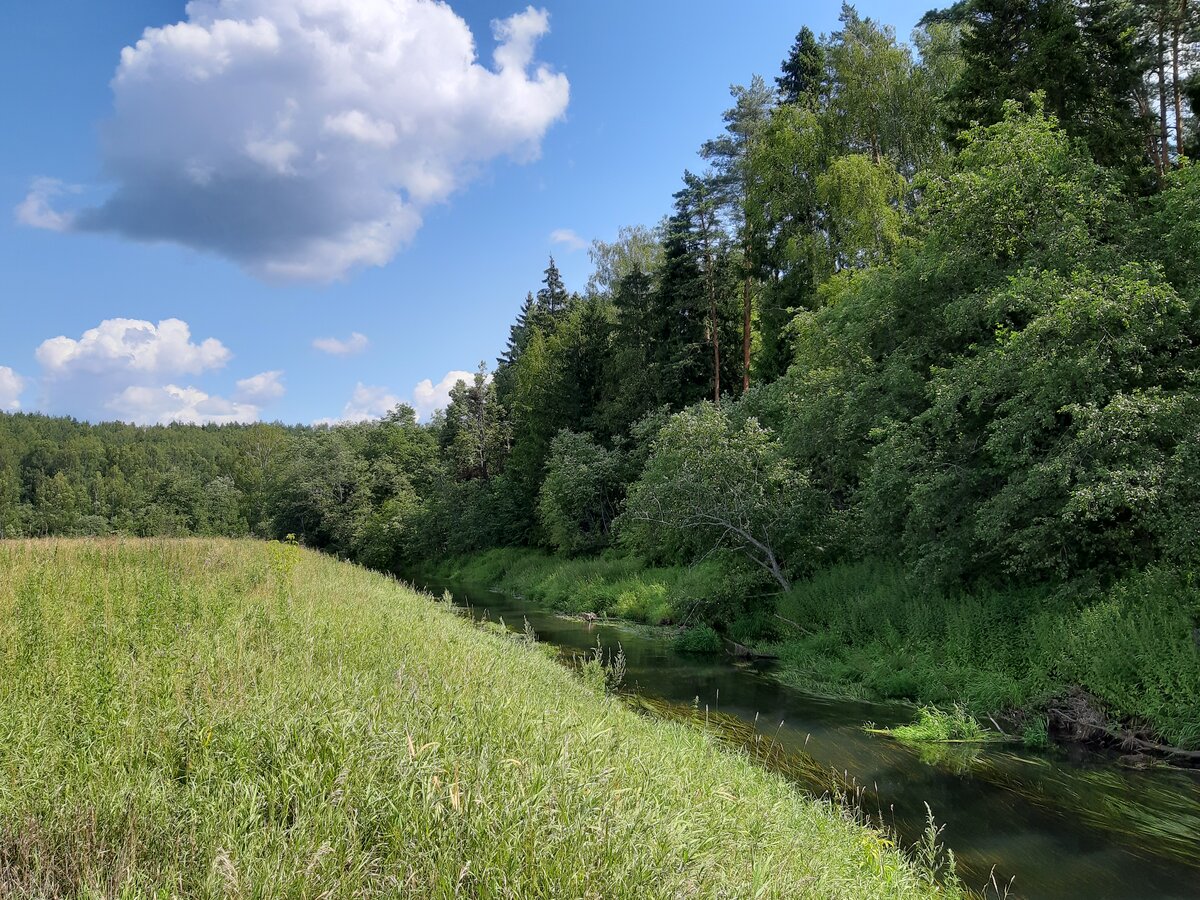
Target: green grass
[(219, 718), (619, 586), (872, 632), (940, 726)]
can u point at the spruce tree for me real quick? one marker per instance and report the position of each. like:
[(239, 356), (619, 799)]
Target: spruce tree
[(684, 343), (552, 297), (1081, 56), (518, 333), (803, 72)]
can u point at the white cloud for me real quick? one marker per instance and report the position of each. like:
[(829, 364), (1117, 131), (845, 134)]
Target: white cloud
[(170, 403), (568, 238), (36, 211), (304, 138), (132, 345), (428, 397), (260, 388), (357, 125), (356, 343), (11, 386), (368, 403), (129, 369)]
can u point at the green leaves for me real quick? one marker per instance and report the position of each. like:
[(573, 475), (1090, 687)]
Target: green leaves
[(716, 483), (1019, 193), (579, 496)]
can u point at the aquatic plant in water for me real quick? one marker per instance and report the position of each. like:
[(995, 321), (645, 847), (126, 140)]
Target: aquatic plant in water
[(940, 726)]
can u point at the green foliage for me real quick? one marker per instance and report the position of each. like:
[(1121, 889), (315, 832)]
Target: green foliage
[(636, 249), (474, 433), (556, 384), (1036, 733), (938, 726), (800, 81), (1135, 649), (699, 639), (870, 629), (1066, 420), (1168, 231), (1019, 193), (716, 591), (580, 494), (714, 483), (1082, 56), (862, 202)]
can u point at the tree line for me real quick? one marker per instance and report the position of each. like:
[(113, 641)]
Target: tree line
[(936, 301)]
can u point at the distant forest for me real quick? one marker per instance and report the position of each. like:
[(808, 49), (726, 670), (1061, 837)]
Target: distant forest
[(936, 302)]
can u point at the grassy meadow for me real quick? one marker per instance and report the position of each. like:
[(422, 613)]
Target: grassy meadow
[(231, 718)]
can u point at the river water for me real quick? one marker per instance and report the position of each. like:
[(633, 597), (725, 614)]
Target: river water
[(1041, 824)]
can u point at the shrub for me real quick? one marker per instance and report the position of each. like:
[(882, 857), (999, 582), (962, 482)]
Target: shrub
[(699, 639)]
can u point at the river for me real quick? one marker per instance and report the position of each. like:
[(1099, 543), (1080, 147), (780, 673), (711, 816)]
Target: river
[(1043, 824)]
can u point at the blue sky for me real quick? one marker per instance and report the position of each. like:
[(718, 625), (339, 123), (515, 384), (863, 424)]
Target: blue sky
[(647, 84)]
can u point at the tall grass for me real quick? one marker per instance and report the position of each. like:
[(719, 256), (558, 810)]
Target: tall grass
[(614, 585), (218, 718), (873, 631), (940, 726)]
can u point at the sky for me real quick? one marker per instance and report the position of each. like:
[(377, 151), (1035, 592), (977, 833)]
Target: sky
[(311, 210)]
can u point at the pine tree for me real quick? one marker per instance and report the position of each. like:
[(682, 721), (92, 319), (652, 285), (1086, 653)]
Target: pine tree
[(696, 229), (730, 156), (803, 72)]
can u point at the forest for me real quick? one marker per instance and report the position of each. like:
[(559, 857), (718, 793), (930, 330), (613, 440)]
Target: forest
[(905, 385)]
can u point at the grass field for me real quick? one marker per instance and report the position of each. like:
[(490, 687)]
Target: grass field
[(219, 718)]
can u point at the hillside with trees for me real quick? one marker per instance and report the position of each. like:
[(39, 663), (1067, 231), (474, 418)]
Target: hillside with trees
[(927, 314)]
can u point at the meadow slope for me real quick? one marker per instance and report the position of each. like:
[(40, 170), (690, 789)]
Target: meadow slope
[(222, 718)]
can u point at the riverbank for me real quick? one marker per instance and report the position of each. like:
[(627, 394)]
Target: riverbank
[(1118, 667), (214, 717)]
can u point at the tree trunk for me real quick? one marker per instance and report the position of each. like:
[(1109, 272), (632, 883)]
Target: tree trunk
[(714, 322), (1143, 102), (746, 324), (1176, 27), (716, 341), (1164, 136)]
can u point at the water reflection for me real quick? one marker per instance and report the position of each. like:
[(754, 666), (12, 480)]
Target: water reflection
[(1056, 827)]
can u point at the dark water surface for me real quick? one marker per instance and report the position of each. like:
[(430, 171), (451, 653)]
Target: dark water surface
[(1048, 824)]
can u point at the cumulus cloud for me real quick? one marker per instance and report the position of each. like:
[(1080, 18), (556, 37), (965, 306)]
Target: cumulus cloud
[(368, 403), (428, 397), (568, 238), (260, 388), (131, 345), (11, 387), (171, 403), (304, 138), (130, 369), (356, 343)]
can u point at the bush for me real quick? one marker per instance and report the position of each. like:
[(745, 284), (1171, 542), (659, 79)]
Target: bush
[(579, 496), (699, 639)]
